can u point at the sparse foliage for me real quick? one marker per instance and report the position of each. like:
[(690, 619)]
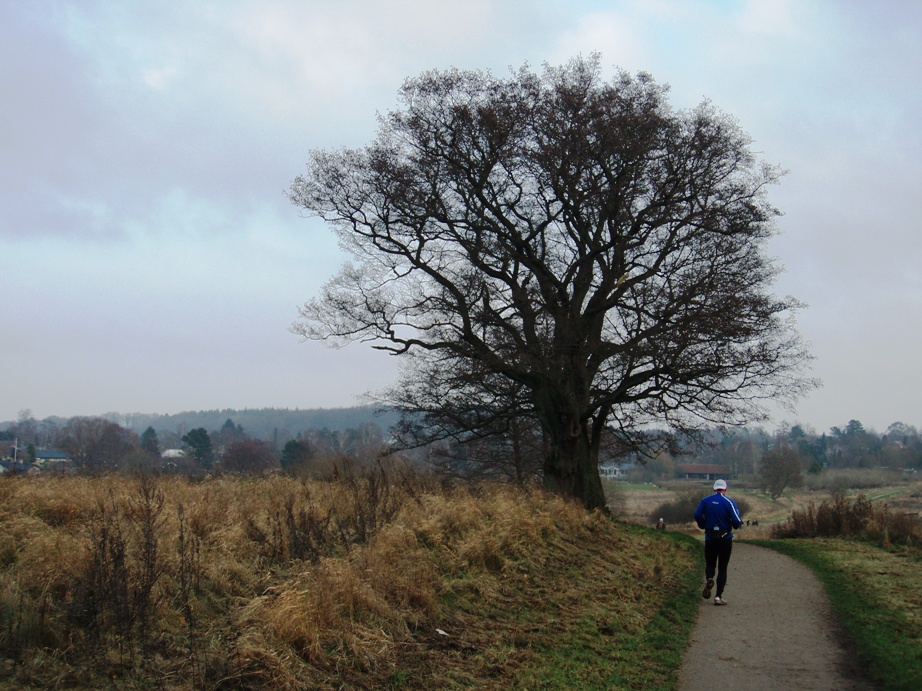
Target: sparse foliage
[(574, 238), (856, 517), (98, 444), (248, 456)]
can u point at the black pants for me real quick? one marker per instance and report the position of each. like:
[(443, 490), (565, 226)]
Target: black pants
[(717, 556)]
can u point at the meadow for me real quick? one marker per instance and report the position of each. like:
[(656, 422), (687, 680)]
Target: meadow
[(375, 579)]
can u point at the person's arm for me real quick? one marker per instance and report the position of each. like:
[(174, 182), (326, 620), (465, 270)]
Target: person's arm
[(735, 517)]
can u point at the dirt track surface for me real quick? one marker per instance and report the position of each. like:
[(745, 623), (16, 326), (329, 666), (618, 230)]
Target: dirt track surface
[(777, 632)]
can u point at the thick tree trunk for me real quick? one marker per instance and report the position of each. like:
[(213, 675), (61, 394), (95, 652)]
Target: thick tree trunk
[(571, 467)]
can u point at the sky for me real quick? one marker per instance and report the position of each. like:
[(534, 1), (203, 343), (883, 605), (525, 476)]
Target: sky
[(151, 262)]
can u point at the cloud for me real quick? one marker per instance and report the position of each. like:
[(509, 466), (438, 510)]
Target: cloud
[(148, 147)]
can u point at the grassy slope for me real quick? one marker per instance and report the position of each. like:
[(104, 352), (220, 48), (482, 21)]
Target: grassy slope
[(609, 608), (877, 596), (494, 589)]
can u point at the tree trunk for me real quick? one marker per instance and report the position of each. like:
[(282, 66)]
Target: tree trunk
[(571, 467)]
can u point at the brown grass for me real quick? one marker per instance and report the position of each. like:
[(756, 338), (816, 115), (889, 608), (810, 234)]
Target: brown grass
[(857, 517), (404, 584)]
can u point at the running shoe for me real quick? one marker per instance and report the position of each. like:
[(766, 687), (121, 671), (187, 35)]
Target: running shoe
[(706, 593)]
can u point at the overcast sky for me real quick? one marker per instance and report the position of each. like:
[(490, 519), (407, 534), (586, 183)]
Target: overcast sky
[(151, 262)]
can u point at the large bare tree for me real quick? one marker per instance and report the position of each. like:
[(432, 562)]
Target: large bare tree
[(575, 236)]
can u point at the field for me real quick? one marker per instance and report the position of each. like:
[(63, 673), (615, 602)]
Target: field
[(376, 580)]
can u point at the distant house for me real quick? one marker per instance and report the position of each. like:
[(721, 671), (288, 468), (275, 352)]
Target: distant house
[(8, 466), (613, 471), (702, 471), (172, 454), (52, 459), (19, 461)]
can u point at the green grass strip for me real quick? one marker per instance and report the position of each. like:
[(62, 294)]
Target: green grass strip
[(650, 658), (887, 648)]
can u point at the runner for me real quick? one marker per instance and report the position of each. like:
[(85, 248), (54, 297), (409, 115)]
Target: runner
[(718, 516)]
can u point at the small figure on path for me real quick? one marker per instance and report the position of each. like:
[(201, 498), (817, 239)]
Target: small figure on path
[(661, 524), (718, 516)]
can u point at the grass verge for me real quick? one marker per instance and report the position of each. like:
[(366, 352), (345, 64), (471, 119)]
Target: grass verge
[(604, 650), (875, 595)]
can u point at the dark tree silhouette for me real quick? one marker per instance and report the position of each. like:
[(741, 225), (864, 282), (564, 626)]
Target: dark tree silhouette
[(199, 443), (150, 443), (575, 237)]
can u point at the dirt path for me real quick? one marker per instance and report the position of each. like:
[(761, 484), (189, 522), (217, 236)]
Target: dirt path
[(777, 632)]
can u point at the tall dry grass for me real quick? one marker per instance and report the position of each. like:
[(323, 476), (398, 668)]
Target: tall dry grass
[(273, 582), (141, 577)]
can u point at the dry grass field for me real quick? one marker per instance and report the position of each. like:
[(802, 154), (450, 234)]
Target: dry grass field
[(377, 580)]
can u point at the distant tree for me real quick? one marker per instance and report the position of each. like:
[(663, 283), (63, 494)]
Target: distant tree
[(98, 444), (511, 454), (227, 435), (149, 442), (900, 431), (854, 447), (199, 443), (779, 469), (295, 455), (26, 427), (48, 432), (579, 238), (248, 456), (662, 467)]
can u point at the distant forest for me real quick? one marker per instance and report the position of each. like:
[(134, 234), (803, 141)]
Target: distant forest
[(267, 424), (264, 423)]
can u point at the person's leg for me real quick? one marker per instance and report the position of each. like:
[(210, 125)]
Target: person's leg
[(711, 553), (722, 550)]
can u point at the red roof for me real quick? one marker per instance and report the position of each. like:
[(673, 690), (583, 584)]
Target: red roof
[(705, 468)]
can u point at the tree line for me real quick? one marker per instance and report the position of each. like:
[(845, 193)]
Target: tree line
[(97, 444), (777, 460)]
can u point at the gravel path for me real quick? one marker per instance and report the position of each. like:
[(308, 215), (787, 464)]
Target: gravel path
[(777, 632)]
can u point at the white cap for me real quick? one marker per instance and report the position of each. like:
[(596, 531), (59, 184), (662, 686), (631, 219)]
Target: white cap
[(720, 484)]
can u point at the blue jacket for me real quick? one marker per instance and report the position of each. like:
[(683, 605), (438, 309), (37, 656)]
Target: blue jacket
[(718, 515)]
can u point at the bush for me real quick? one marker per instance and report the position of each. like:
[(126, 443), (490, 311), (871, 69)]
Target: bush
[(679, 510), (859, 518)]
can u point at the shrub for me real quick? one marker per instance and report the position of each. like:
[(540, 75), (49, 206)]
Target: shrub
[(859, 518), (679, 510)]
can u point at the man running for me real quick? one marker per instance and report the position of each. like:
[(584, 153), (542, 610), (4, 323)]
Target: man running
[(718, 516)]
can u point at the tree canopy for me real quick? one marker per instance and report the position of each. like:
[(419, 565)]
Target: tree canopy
[(576, 238)]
